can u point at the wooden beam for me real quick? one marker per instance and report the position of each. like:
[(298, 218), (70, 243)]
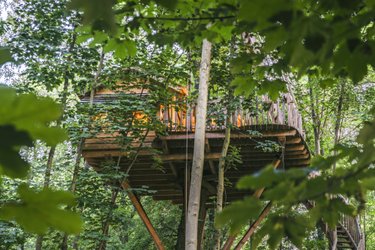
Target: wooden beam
[(289, 150), (182, 157), (256, 194), (112, 153), (211, 163), (167, 197), (253, 226), (208, 156), (295, 140), (209, 187), (297, 152), (300, 147), (221, 135), (142, 214)]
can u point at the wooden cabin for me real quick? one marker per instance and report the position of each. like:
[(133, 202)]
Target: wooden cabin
[(280, 124)]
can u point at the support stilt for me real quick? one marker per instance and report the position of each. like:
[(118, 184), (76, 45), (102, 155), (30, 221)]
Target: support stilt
[(253, 226), (256, 194), (202, 219), (142, 214)]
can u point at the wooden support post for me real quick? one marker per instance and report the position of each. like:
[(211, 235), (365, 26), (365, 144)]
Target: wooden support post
[(282, 141), (210, 161), (253, 226), (186, 190), (256, 194), (142, 214)]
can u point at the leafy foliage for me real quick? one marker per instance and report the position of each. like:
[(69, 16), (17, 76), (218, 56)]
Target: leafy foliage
[(28, 121), (24, 124), (287, 189), (46, 211)]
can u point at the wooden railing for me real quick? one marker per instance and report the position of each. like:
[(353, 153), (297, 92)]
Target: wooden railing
[(351, 226), (284, 111)]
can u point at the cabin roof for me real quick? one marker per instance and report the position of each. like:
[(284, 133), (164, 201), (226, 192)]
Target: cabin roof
[(140, 82)]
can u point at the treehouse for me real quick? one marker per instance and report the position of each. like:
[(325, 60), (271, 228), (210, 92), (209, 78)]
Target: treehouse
[(157, 159)]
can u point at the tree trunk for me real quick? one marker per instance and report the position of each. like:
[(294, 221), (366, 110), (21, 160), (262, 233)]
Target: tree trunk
[(191, 239), (202, 220), (96, 78), (51, 154), (339, 118), (333, 233), (181, 232), (316, 123), (64, 244), (221, 172), (106, 224)]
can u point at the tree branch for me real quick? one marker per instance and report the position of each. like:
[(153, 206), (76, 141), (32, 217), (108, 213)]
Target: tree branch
[(186, 18)]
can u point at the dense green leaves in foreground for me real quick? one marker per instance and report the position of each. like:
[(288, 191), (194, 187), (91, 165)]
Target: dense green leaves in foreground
[(23, 119), (37, 211), (291, 188), (337, 36)]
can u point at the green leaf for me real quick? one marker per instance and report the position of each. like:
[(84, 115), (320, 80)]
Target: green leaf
[(97, 13), (238, 214), (169, 4), (296, 228), (5, 55), (244, 85), (275, 38), (357, 66), (369, 183), (38, 211), (240, 63), (327, 83), (367, 133), (272, 88), (263, 179), (121, 49), (31, 114), (314, 42), (11, 164), (260, 11), (280, 191), (224, 32), (99, 38)]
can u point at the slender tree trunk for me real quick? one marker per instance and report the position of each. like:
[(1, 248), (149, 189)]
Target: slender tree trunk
[(191, 239), (316, 125), (51, 154), (106, 224), (64, 244), (339, 117), (221, 172), (96, 77), (181, 232), (333, 232)]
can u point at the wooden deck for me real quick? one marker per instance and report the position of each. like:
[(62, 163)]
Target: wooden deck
[(167, 181)]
